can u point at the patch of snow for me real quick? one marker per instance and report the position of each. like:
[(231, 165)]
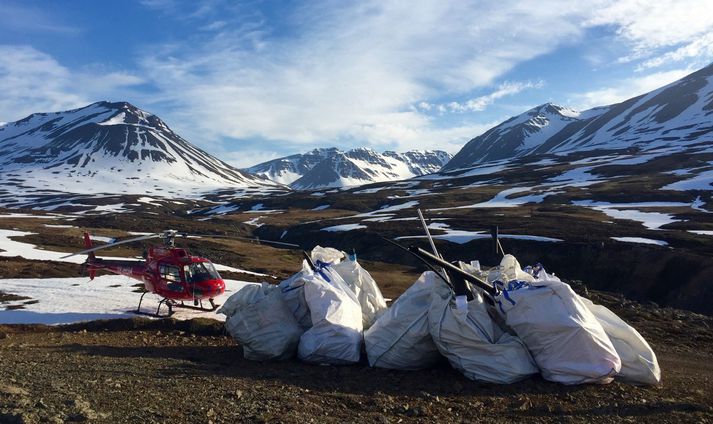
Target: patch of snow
[(379, 218), (462, 236), (222, 209), (115, 120), (344, 227), (254, 222), (702, 181), (577, 177), (149, 200), (641, 240), (68, 300), (321, 207), (650, 220), (394, 208), (370, 190), (24, 215), (501, 200), (702, 232), (698, 205), (100, 238)]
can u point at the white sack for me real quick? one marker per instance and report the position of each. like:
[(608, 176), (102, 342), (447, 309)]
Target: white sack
[(638, 360), (368, 294), (293, 294), (259, 320), (473, 343), (336, 332), (563, 336), (400, 339), (326, 255)]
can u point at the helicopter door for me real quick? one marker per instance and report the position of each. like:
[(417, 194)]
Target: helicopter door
[(171, 277)]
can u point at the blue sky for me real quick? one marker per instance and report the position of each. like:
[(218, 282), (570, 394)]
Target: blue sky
[(251, 81)]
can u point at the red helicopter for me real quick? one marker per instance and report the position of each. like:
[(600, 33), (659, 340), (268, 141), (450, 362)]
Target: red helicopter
[(168, 271)]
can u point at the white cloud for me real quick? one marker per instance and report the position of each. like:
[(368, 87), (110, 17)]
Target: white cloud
[(353, 70), (33, 81), (24, 18), (626, 89), (480, 103), (653, 26)]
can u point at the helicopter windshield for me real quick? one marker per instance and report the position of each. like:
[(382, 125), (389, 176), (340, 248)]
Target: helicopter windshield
[(200, 271)]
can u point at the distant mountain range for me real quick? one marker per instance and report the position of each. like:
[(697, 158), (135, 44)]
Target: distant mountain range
[(331, 167), (117, 148), (677, 116), (110, 148)]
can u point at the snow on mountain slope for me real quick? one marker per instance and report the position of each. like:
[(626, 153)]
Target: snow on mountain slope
[(676, 116), (110, 148), (290, 168), (331, 167)]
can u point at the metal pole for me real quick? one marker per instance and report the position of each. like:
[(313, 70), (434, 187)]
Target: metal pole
[(430, 241)]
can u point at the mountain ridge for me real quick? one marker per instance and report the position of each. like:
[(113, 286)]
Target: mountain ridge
[(110, 146), (332, 167), (675, 115)]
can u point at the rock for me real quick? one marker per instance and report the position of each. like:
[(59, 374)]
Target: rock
[(14, 418), (84, 412), (12, 390)]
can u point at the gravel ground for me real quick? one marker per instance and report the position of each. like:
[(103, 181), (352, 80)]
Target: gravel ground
[(146, 371)]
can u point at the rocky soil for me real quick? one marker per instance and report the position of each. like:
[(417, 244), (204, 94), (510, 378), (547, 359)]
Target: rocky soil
[(152, 371)]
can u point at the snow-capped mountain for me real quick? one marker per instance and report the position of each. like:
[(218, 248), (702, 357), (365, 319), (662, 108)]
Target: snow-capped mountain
[(676, 116), (290, 168), (110, 148), (332, 167)]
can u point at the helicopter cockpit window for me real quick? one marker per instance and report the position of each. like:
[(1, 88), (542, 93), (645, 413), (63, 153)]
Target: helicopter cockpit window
[(200, 271), (170, 272)]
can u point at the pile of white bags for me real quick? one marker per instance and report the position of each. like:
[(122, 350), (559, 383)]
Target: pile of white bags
[(565, 338), (473, 343), (537, 324), (318, 314), (368, 295), (336, 332), (367, 292), (572, 340), (400, 339), (293, 295), (260, 321)]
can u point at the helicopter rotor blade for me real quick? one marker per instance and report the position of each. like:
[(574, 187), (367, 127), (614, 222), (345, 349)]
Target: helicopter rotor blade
[(281, 243), (106, 246)]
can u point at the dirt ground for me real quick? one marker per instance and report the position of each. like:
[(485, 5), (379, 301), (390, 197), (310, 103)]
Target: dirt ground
[(155, 371)]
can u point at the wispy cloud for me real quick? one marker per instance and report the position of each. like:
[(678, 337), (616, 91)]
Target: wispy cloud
[(480, 103), (33, 81), (389, 74), (352, 70), (654, 28), (626, 89), (17, 17)]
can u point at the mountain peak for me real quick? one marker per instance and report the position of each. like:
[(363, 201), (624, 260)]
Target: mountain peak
[(113, 143), (672, 116), (332, 167), (554, 109)]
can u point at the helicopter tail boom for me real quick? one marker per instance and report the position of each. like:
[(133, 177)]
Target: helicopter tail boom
[(90, 257)]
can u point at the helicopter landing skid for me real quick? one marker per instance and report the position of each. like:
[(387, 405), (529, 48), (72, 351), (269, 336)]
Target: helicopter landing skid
[(198, 306), (168, 302)]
